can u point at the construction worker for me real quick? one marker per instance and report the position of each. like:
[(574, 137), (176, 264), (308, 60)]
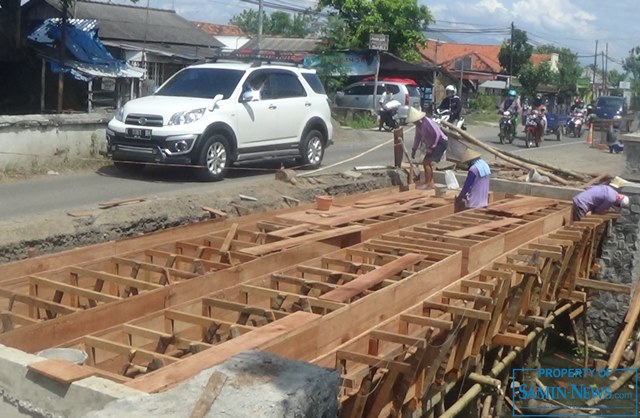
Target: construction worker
[(475, 191), (599, 199), (430, 137)]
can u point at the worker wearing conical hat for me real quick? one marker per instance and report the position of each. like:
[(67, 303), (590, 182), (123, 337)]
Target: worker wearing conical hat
[(599, 199), (430, 136), (475, 192)]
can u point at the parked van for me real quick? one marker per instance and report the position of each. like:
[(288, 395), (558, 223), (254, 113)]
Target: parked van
[(360, 96)]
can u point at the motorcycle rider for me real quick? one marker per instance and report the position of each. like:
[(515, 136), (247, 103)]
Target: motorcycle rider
[(511, 104), (537, 101), (452, 103), (542, 124), (385, 98), (577, 105)]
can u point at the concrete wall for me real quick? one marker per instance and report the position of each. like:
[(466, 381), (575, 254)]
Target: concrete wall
[(28, 141)]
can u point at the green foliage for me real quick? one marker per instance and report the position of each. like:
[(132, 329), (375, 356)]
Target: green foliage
[(569, 69), (632, 65), (614, 78), (522, 51), (333, 71), (531, 77), (402, 20), (482, 102), (360, 122), (278, 23)]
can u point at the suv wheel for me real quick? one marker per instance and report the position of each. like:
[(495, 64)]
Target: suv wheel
[(214, 158), (312, 149)]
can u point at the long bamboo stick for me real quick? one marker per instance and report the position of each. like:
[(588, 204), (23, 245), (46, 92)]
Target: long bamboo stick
[(630, 322), (560, 170), (466, 137), (617, 384)]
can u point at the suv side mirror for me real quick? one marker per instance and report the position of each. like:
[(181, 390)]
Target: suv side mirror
[(215, 101), (250, 96)]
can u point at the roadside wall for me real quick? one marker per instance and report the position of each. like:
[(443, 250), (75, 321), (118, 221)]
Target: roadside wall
[(29, 141)]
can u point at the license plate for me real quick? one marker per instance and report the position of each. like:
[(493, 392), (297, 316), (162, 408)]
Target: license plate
[(136, 133)]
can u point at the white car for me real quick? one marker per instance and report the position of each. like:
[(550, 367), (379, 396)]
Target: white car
[(213, 115)]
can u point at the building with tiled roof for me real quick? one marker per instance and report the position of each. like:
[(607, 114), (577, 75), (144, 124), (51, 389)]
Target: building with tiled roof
[(230, 35)]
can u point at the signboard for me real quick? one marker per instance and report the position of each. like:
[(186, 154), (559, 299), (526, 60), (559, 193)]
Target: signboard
[(625, 85), (355, 64), (379, 42)]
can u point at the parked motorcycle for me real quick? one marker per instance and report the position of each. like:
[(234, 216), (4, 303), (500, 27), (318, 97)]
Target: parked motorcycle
[(389, 115), (507, 129), (443, 115), (532, 129)]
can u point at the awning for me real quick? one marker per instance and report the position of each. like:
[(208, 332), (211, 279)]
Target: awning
[(87, 57)]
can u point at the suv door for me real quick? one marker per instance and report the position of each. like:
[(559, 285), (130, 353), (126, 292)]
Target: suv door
[(258, 118), (292, 105)]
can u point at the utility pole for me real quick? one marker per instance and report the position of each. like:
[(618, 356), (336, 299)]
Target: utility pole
[(606, 66), (260, 22), (511, 55), (595, 67), (63, 46), (604, 76)]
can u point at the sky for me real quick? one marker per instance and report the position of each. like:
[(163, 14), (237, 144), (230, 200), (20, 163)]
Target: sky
[(565, 23)]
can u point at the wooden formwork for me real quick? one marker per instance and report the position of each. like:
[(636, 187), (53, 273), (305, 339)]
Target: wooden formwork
[(395, 366), (196, 264)]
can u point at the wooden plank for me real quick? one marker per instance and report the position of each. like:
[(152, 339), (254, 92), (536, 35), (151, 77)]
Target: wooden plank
[(373, 361), (427, 321), (355, 287), (202, 321), (522, 206), (606, 286), (209, 394), (158, 335), (291, 230), (511, 339), (37, 302), (259, 250), (61, 371), (173, 374), (114, 278), (126, 350), (226, 244), (271, 293), (458, 310), (411, 341), (73, 290), (473, 230)]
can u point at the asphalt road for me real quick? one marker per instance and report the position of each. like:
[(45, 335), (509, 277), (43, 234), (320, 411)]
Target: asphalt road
[(68, 192)]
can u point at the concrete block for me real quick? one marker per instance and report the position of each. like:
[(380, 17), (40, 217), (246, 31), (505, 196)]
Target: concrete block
[(257, 385), (34, 395)]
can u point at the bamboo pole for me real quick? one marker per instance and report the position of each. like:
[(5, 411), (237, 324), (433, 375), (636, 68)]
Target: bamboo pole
[(476, 389), (466, 137), (560, 170), (630, 322), (617, 385)]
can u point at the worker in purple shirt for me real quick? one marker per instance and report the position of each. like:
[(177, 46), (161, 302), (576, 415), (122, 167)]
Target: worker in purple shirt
[(597, 199), (431, 138), (475, 191)]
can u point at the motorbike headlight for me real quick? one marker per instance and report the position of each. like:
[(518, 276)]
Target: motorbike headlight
[(182, 118), (617, 117), (119, 116)]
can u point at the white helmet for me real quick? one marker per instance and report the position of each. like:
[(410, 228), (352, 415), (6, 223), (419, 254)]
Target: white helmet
[(450, 88)]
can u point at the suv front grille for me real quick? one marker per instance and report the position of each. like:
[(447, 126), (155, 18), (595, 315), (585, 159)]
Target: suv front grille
[(144, 120)]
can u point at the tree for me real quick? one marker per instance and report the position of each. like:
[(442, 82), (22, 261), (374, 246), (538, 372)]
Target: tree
[(522, 51), (278, 23), (632, 65), (331, 70), (531, 77), (401, 20), (569, 69)]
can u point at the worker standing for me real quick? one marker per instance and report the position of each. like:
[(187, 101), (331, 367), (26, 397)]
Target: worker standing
[(430, 137), (475, 191), (598, 199)]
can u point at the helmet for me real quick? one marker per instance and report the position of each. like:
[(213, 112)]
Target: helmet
[(578, 101), (538, 96), (450, 88), (512, 93)]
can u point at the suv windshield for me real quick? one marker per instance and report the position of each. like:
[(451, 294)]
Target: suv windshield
[(204, 83), (314, 82), (610, 102)]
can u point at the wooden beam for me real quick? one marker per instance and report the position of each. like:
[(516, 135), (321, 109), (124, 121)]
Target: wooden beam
[(114, 278), (465, 232), (374, 361), (458, 310), (259, 250), (427, 321), (368, 280), (606, 286), (73, 290), (510, 339)]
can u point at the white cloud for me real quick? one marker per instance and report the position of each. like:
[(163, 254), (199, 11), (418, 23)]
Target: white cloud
[(492, 6)]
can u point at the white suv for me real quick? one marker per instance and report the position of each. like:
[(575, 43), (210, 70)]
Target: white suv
[(212, 115)]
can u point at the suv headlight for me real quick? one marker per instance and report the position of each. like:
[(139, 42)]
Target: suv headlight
[(119, 116), (182, 118)]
